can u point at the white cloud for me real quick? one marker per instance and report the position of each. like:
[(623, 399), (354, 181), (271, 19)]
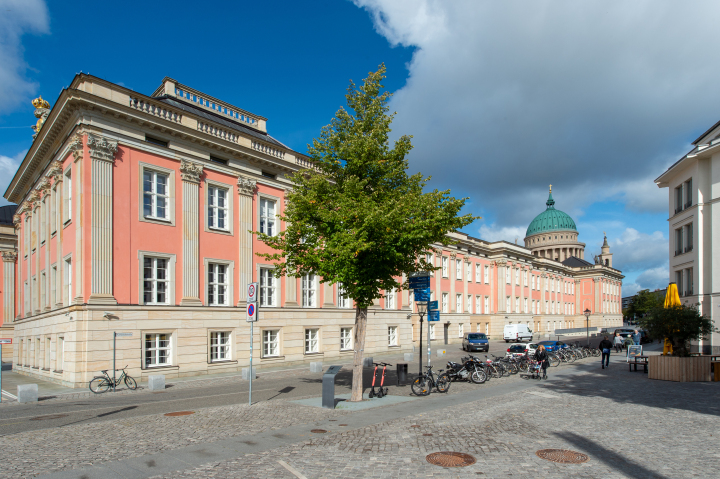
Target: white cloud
[(506, 233), (636, 251), (594, 97), (8, 167), (18, 17)]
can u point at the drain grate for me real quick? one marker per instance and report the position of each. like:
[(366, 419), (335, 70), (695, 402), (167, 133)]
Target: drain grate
[(49, 416), (318, 431), (450, 459), (180, 413), (562, 456)]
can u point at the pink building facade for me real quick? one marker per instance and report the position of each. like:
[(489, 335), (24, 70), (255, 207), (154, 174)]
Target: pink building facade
[(134, 216)]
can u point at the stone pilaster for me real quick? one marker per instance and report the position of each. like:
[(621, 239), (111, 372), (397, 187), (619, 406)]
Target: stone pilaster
[(543, 291), (190, 173), (246, 191), (468, 269), (76, 146), (501, 286), (102, 158), (405, 293), (523, 271), (328, 297), (452, 272), (58, 198), (9, 258)]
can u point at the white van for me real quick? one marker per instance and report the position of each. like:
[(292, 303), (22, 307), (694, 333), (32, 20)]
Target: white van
[(517, 332)]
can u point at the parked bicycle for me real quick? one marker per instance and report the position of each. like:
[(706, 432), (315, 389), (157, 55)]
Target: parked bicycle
[(423, 385), (102, 384)]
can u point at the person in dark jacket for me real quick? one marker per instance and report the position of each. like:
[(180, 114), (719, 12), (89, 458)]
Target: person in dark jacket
[(542, 356), (605, 346)]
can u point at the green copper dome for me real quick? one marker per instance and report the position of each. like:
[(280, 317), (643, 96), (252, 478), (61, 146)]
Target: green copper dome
[(550, 220)]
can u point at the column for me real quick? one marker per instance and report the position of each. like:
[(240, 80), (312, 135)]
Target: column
[(49, 198), (56, 169), (465, 287), (543, 290), (246, 190), (9, 258), (35, 283), (190, 173), (77, 195), (501, 287), (452, 272), (102, 159), (522, 289)]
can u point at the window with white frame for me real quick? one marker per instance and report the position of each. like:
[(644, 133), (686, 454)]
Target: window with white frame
[(486, 308), (390, 299), (309, 291), (565, 287), (218, 208), (458, 269), (445, 266), (155, 280), (517, 305), (271, 343), (461, 330), (217, 284), (429, 260), (343, 298), (220, 346), (458, 303), (67, 196), (267, 217), (157, 349), (345, 339), (155, 195), (478, 271), (444, 302), (469, 304), (517, 277), (478, 305), (508, 275), (268, 284), (525, 279), (311, 340), (525, 305), (468, 271), (532, 279), (392, 336), (507, 304), (547, 307), (486, 275), (431, 327)]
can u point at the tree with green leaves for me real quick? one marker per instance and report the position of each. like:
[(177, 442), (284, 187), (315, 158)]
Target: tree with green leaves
[(356, 217), (679, 324), (644, 302)]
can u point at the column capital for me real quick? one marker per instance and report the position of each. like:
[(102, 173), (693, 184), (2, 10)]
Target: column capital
[(76, 146), (17, 220), (55, 170), (190, 171), (9, 256), (247, 186), (100, 148)]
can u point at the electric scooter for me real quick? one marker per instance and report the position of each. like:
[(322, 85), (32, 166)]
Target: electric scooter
[(382, 391)]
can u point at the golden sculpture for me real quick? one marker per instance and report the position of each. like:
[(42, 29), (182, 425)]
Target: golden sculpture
[(42, 110)]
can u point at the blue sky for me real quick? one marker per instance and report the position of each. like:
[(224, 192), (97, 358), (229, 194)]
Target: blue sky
[(503, 98)]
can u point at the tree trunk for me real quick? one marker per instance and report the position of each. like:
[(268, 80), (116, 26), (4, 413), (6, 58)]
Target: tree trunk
[(359, 346)]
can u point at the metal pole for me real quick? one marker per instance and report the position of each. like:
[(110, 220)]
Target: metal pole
[(114, 336), (421, 321), (429, 344), (250, 373), (587, 330)]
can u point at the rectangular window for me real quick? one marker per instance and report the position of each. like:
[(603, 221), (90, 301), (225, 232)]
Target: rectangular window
[(547, 307), (390, 299), (445, 266), (678, 241), (525, 278), (267, 217), (517, 305), (157, 350), (67, 197), (220, 346), (486, 308), (461, 330), (392, 336), (218, 208), (478, 271), (508, 275), (431, 329), (156, 141), (532, 278), (444, 303), (469, 305), (525, 305), (486, 275), (517, 277), (344, 299), (678, 199), (268, 175), (68, 281), (308, 291), (487, 328), (688, 237), (345, 339), (271, 343), (155, 280), (478, 305), (218, 285), (267, 287), (689, 282), (458, 269), (155, 195), (311, 341), (688, 193), (458, 303), (507, 304), (219, 161), (468, 271)]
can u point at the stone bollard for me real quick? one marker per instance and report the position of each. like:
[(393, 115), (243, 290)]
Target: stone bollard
[(27, 393), (245, 374), (441, 352), (156, 382), (368, 362), (409, 356), (316, 367)]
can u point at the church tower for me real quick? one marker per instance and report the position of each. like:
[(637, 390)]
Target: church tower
[(605, 256)]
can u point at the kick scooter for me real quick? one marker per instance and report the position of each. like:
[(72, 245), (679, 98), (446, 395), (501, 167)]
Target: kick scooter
[(381, 390)]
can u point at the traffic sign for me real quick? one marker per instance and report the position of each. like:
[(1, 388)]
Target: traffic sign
[(433, 306), (434, 315), (252, 292), (422, 294), (252, 312), (5, 340), (420, 280)]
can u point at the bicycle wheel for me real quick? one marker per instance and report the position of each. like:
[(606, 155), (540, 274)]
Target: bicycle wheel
[(99, 385), (420, 387), (130, 383), (478, 376), (443, 383), (554, 361)]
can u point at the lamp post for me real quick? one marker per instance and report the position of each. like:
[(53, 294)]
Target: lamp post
[(587, 325), (422, 309)]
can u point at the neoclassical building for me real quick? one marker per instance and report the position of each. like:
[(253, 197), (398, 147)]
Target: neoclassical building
[(134, 214)]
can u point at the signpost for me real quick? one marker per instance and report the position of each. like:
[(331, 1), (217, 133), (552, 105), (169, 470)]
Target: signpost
[(433, 315), (2, 341), (252, 316), (419, 282), (115, 336)]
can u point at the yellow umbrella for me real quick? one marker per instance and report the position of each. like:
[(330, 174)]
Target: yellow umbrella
[(672, 299)]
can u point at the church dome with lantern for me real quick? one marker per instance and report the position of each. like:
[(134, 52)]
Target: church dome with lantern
[(553, 234)]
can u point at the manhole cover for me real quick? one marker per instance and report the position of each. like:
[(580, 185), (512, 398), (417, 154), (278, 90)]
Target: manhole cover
[(180, 413), (562, 455), (318, 431), (49, 416), (450, 459)]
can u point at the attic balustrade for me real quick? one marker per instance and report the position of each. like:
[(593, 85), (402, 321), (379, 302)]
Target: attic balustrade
[(155, 109), (223, 110), (215, 131), (267, 149)]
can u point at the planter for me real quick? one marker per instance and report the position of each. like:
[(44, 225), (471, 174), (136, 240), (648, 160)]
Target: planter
[(669, 368)]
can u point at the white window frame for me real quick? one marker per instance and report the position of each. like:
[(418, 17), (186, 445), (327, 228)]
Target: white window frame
[(346, 339), (154, 195), (468, 271), (308, 284), (265, 272), (508, 275), (517, 276), (432, 331), (171, 276), (170, 348), (312, 344), (532, 281), (458, 269), (444, 304), (525, 306), (445, 267), (507, 304), (67, 195), (517, 304), (229, 275), (170, 209), (461, 330), (392, 336), (458, 303), (263, 197), (486, 305), (478, 304), (267, 341), (486, 274), (478, 273), (215, 346), (343, 300), (390, 299), (468, 304), (229, 207)]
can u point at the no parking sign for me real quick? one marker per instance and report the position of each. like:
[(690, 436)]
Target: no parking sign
[(251, 312)]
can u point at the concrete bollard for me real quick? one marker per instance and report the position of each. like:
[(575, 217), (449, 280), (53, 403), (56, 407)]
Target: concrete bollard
[(368, 362), (156, 382), (245, 374), (27, 393), (441, 352), (316, 367), (409, 356)]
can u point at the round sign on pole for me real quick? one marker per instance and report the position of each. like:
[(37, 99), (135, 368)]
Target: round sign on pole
[(252, 292), (251, 312)]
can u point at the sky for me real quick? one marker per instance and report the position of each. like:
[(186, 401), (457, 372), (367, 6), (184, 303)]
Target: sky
[(597, 97)]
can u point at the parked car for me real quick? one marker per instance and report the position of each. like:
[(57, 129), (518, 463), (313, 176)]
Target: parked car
[(475, 342), (517, 332), (552, 345), (626, 334), (521, 349)]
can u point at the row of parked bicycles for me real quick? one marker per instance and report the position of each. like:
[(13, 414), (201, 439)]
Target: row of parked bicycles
[(478, 371)]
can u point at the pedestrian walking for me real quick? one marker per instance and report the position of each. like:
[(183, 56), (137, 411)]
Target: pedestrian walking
[(618, 342), (605, 346), (636, 337), (542, 356)]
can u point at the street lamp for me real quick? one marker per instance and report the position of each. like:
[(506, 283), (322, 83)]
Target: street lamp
[(421, 309), (587, 325)]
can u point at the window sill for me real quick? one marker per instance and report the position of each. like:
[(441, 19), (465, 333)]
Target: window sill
[(346, 351), (393, 346), (162, 221), (221, 231), (317, 353), (67, 223), (222, 362), (154, 368), (272, 358), (58, 372), (52, 235)]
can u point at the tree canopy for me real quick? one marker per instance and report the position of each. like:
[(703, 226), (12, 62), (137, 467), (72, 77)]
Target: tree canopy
[(644, 302), (679, 324)]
